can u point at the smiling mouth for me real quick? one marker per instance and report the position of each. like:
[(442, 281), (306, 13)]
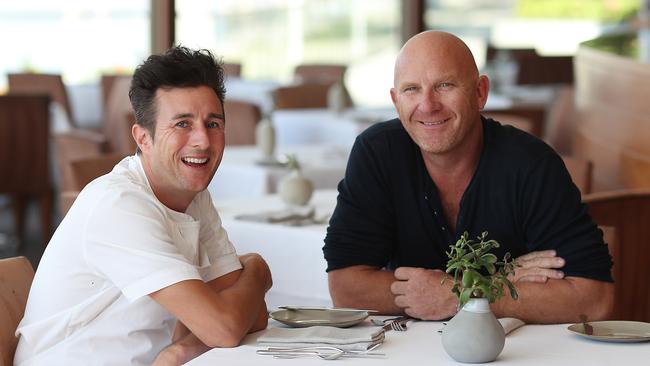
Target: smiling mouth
[(195, 162), (433, 123)]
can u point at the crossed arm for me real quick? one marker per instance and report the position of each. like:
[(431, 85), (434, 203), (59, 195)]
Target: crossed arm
[(545, 294), (217, 314)]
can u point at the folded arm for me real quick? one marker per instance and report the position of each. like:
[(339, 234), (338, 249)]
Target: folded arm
[(217, 314), (545, 295)]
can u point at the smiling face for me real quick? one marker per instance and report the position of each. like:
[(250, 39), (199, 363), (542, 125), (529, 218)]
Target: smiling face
[(438, 93), (182, 158)]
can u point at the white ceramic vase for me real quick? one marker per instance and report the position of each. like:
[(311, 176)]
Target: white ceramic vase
[(295, 189), (474, 335), (336, 97), (265, 138)]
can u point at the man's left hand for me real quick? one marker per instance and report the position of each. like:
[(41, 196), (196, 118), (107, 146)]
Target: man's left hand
[(420, 293)]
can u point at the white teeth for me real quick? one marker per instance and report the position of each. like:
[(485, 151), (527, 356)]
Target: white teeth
[(432, 123), (195, 160)]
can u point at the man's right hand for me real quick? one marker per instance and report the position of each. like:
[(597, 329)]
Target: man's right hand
[(538, 267), (255, 261)]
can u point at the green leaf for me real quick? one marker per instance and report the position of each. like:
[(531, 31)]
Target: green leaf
[(464, 296), (489, 258), (468, 279)]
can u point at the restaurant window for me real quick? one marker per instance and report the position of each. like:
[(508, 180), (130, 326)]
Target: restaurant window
[(79, 39), (551, 27), (270, 37)]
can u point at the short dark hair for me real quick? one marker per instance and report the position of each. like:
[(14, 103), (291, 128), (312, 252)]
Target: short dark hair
[(177, 68)]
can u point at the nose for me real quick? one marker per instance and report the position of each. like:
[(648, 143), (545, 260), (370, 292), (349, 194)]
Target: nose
[(199, 137), (430, 101)]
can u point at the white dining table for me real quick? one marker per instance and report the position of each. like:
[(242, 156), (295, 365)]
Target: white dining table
[(294, 253), (325, 126), (529, 345), (241, 174)]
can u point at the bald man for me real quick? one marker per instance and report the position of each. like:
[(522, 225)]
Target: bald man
[(413, 185)]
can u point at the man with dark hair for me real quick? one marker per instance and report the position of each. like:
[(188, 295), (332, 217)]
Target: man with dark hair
[(415, 184), (141, 271)]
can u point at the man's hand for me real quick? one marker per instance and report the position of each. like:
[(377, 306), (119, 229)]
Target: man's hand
[(254, 260), (420, 293), (538, 267)]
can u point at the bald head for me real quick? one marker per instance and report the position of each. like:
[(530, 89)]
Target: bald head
[(438, 49)]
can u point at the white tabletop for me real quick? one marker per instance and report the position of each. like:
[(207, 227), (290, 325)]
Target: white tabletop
[(541, 345), (294, 254), (240, 174), (324, 126)]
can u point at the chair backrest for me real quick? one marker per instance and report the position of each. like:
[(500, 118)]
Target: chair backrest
[(16, 275), (87, 169), (107, 81), (50, 84), (71, 146), (581, 171), (628, 211), (301, 96), (561, 121), (241, 121), (24, 135), (319, 73), (232, 69), (118, 118)]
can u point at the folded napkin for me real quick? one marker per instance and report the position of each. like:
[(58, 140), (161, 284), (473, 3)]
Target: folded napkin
[(279, 216), (510, 324), (349, 339)]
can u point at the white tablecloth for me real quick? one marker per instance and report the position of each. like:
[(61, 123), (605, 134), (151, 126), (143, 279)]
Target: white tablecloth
[(294, 254), (239, 175), (323, 126), (534, 345)]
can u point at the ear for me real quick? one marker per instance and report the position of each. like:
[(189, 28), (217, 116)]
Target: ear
[(482, 89), (142, 137), (393, 96)]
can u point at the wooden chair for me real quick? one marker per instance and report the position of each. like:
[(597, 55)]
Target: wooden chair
[(231, 69), (561, 121), (49, 84), (241, 121), (24, 157), (628, 211), (581, 171), (16, 275), (83, 171), (301, 96), (319, 73)]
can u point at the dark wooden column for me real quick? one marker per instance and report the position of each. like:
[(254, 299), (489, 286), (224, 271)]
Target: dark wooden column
[(412, 18), (163, 16)]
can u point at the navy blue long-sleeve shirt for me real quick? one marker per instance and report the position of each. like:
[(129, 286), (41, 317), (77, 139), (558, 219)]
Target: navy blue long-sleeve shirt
[(388, 212)]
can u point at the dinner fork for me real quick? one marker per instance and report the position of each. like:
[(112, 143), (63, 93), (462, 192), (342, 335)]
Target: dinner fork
[(397, 324)]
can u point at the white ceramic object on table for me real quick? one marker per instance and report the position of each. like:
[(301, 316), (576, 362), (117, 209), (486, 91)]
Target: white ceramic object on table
[(295, 189), (265, 139), (336, 98), (474, 335)]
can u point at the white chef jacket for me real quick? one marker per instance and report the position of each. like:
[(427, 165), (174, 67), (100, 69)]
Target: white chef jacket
[(88, 304)]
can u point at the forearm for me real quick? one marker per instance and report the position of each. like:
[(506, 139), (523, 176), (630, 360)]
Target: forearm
[(558, 301), (363, 287), (181, 351)]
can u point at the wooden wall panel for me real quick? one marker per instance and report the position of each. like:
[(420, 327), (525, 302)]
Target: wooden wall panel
[(613, 118)]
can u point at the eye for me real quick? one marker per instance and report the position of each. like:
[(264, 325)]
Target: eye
[(409, 89), (182, 124), (214, 124), (444, 85)]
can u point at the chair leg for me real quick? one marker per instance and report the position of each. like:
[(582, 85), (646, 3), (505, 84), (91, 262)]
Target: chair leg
[(18, 204), (46, 200)]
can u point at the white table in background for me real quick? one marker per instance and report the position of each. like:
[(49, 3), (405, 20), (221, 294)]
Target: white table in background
[(324, 126), (294, 254), (239, 175), (530, 345)]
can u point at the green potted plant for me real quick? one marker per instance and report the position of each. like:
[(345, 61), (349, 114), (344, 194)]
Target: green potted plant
[(479, 279)]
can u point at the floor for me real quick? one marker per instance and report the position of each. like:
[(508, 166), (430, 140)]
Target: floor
[(33, 246)]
